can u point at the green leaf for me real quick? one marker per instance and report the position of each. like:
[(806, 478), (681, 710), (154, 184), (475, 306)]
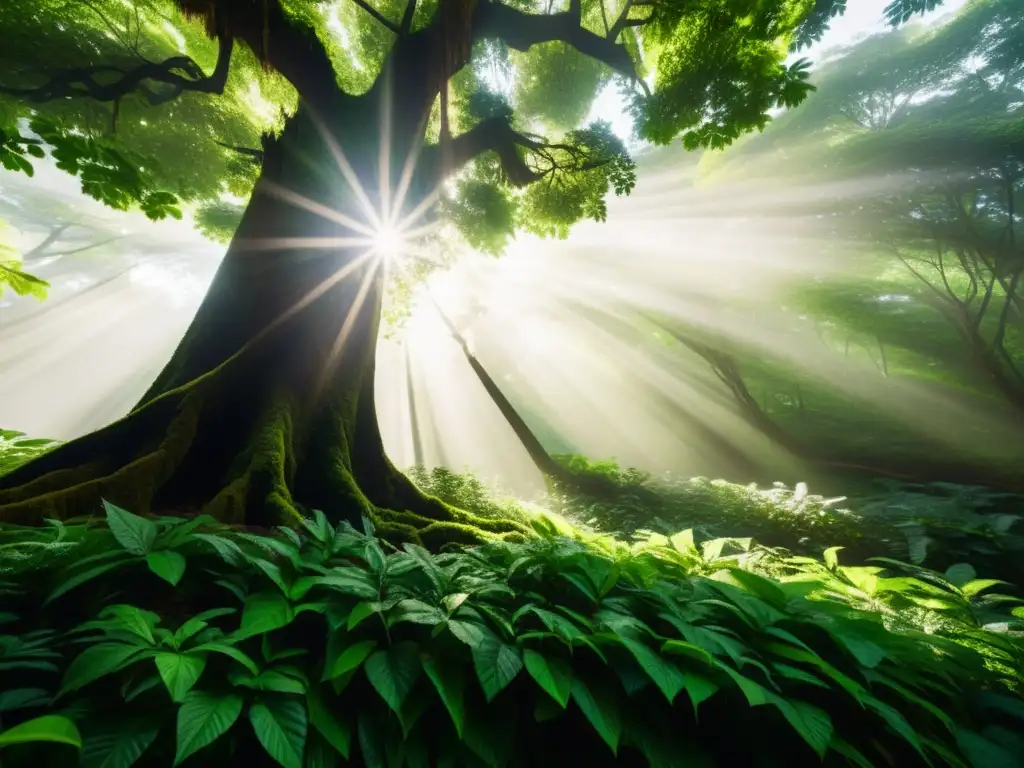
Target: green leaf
[(136, 534), (361, 612), (167, 564), (497, 665), (20, 698), (202, 719), (468, 632), (119, 746), (230, 651), (960, 574), (336, 731), (265, 612), (393, 673), (99, 661), (812, 723), (665, 674), (50, 728), (896, 722), (179, 671), (983, 753), (81, 578), (601, 710), (350, 658), (280, 725), (553, 675), (450, 683)]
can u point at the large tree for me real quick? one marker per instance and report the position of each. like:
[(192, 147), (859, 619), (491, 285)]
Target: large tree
[(267, 406)]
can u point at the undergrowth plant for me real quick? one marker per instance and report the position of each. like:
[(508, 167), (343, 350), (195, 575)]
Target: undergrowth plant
[(169, 641)]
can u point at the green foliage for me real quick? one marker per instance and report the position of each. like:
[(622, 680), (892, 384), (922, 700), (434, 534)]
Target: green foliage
[(16, 449), (328, 643), (218, 220), (556, 85)]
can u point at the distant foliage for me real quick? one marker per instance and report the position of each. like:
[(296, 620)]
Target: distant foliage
[(158, 640)]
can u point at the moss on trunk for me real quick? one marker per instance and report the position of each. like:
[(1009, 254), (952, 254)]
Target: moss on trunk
[(266, 410)]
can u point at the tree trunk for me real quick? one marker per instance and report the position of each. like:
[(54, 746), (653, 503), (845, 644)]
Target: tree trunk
[(266, 410)]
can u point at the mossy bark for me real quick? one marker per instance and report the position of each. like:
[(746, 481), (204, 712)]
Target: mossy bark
[(266, 409)]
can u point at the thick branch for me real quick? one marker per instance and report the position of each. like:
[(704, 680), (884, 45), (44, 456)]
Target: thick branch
[(288, 45), (180, 73), (491, 136), (378, 16), (522, 31)]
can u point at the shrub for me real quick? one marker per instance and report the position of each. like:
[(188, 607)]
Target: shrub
[(182, 641)]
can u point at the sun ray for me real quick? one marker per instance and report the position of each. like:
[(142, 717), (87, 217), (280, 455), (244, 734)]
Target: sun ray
[(314, 207), (283, 243), (349, 173), (346, 327)]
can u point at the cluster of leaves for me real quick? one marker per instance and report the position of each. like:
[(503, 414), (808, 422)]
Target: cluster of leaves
[(14, 148), (327, 643), (11, 273), (16, 448), (576, 179), (107, 173)]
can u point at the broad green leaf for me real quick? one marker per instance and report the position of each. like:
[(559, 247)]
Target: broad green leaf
[(228, 650), (813, 724), (119, 746), (665, 674), (179, 671), (699, 688), (280, 724), (202, 719), (265, 612), (497, 665), (450, 682), (601, 709), (99, 661), (553, 675), (972, 588), (361, 612), (896, 722), (393, 673), (470, 633), (167, 564), (960, 574), (136, 534), (982, 752), (85, 576), (350, 659), (336, 731), (755, 693), (51, 728), (20, 698)]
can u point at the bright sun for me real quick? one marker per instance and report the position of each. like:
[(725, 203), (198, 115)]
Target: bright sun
[(388, 242)]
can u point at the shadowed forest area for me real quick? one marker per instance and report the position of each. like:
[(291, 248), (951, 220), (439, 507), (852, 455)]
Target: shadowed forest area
[(512, 383)]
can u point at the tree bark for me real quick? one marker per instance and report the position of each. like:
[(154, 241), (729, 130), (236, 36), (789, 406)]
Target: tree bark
[(266, 410)]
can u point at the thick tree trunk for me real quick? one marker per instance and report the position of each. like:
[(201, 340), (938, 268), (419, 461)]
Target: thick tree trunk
[(266, 409)]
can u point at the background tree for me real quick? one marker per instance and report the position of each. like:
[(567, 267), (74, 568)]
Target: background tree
[(267, 405)]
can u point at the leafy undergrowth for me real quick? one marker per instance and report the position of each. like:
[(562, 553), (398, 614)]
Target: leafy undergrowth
[(167, 641), (938, 525)]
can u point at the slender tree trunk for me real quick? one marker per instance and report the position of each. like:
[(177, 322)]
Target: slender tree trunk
[(543, 460), (266, 410)]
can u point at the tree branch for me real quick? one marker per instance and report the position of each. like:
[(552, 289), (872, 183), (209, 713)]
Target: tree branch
[(285, 43), (522, 31), (410, 11), (379, 16), (256, 155), (496, 136), (181, 73)]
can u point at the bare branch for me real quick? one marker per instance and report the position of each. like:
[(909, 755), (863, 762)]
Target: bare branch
[(379, 16), (180, 73)]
